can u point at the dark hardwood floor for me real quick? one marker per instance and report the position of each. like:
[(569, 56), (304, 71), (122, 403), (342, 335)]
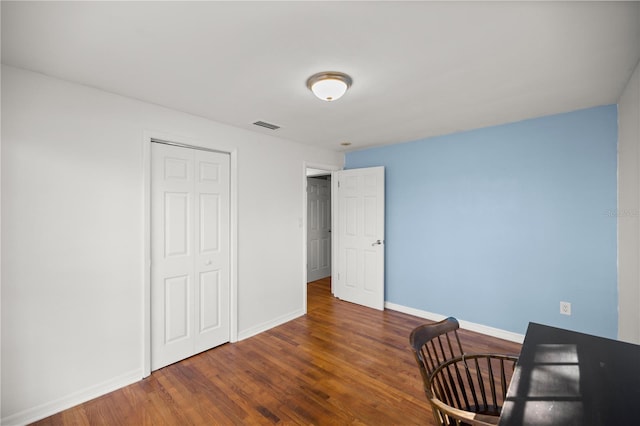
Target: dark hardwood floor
[(339, 364)]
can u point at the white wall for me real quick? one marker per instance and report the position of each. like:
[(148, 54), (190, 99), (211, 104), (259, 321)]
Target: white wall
[(73, 237), (629, 210)]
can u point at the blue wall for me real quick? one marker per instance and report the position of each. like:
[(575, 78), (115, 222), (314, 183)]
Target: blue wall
[(498, 225)]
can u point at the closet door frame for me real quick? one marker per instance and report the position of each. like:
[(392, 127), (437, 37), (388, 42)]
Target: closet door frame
[(148, 137)]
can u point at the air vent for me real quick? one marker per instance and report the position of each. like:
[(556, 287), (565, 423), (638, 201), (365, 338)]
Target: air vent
[(266, 125)]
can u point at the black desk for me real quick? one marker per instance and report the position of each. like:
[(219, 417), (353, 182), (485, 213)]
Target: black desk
[(568, 378)]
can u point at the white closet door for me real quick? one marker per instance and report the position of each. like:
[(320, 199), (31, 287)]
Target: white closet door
[(212, 249), (189, 252)]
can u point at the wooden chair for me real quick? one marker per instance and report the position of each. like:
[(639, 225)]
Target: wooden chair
[(463, 389)]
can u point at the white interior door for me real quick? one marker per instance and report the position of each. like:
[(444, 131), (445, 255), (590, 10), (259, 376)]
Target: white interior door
[(190, 259), (318, 228), (358, 233)]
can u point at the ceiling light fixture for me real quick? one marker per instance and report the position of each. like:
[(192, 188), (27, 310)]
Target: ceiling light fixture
[(329, 85)]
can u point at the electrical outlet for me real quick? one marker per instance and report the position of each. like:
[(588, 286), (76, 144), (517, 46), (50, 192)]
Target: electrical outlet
[(565, 308)]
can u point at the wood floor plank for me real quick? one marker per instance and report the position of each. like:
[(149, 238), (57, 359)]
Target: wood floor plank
[(341, 364)]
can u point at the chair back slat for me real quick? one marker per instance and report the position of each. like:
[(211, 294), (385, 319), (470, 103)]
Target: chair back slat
[(481, 386), (492, 385), (503, 378), (470, 384)]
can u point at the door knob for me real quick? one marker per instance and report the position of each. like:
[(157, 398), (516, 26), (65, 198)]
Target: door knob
[(377, 243), (208, 262)]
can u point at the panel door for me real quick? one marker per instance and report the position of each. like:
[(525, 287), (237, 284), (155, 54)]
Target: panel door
[(189, 252), (318, 228), (212, 248), (360, 236)]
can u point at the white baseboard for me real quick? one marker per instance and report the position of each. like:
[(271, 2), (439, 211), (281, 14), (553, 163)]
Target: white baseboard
[(49, 408), (471, 326), (245, 334)]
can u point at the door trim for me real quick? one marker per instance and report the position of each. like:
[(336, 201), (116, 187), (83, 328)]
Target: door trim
[(146, 220), (329, 168)]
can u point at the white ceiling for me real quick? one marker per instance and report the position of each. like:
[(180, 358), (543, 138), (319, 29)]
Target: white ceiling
[(419, 68)]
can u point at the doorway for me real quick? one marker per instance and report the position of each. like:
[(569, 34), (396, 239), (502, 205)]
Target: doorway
[(357, 242), (317, 242)]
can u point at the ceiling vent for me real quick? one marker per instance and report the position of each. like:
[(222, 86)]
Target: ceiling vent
[(266, 125)]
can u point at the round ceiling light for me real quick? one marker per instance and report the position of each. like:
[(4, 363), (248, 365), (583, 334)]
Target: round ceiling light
[(329, 85)]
